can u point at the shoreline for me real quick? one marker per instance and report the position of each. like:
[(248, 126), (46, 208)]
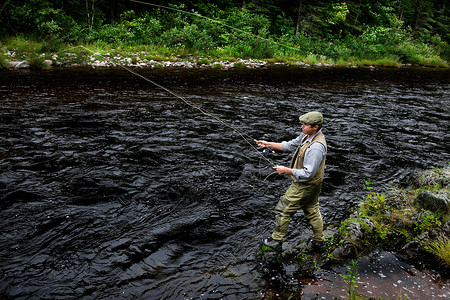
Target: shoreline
[(106, 61)]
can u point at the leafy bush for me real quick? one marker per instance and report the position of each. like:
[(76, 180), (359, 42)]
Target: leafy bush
[(40, 17), (359, 33), (112, 34), (196, 38), (426, 221), (246, 26), (144, 30), (252, 48)]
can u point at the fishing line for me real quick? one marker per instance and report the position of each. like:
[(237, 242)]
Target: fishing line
[(243, 135), (260, 173), (218, 22), (206, 113)]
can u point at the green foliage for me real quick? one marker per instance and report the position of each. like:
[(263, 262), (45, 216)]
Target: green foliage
[(203, 61), (22, 46), (2, 62), (51, 46), (344, 32), (112, 34), (142, 30), (426, 221), (367, 184), (238, 65), (374, 205), (351, 278), (189, 37), (264, 249), (338, 13), (40, 17), (36, 63)]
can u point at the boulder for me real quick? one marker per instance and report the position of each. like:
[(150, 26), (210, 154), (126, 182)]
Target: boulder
[(354, 231), (18, 64), (439, 176), (416, 250), (345, 251), (433, 201), (397, 199)]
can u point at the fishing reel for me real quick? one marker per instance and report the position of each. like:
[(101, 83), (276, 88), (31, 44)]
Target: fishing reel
[(266, 152)]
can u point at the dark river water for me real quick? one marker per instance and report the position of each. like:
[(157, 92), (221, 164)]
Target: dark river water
[(111, 188)]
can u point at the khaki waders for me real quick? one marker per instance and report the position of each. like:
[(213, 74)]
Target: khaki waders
[(299, 196)]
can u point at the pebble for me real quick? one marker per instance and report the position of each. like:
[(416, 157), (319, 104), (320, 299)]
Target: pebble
[(104, 61)]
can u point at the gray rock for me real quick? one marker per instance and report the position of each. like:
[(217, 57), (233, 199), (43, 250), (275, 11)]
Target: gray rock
[(397, 199), (18, 64), (439, 176), (344, 251), (433, 201), (22, 65), (354, 231), (369, 223)]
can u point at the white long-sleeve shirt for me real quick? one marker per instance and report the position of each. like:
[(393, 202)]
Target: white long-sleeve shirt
[(313, 157)]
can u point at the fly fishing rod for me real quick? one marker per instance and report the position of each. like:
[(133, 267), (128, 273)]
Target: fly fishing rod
[(247, 138)]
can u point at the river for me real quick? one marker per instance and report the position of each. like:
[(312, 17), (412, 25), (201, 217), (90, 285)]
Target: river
[(112, 188)]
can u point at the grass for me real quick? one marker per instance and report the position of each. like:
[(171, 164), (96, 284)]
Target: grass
[(203, 60), (3, 63), (37, 63), (430, 61), (441, 248), (384, 62), (25, 48), (21, 44)]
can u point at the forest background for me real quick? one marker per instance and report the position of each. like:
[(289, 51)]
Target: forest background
[(359, 32)]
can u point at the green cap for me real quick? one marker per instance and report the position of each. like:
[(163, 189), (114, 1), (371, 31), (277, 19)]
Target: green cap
[(313, 118)]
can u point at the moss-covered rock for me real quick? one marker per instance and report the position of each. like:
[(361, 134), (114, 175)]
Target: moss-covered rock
[(435, 176), (438, 201), (402, 221)]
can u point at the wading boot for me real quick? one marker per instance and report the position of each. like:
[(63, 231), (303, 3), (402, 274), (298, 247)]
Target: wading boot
[(273, 244), (318, 247)]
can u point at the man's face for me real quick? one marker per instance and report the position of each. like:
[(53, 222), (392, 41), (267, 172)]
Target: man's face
[(308, 129)]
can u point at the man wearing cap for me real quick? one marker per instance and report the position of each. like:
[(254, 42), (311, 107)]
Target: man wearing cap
[(307, 172)]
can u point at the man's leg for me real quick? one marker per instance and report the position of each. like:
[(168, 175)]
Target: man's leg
[(312, 214), (288, 205)]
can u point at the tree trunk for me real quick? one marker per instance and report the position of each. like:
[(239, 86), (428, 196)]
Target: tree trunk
[(297, 27), (90, 14)]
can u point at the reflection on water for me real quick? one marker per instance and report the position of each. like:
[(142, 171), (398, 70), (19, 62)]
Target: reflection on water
[(110, 188)]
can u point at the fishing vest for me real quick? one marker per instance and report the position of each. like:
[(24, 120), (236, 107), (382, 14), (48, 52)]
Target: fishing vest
[(299, 157)]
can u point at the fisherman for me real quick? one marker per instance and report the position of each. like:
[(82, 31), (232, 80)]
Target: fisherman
[(307, 172)]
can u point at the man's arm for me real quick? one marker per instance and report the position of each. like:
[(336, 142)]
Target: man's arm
[(313, 158), (272, 145)]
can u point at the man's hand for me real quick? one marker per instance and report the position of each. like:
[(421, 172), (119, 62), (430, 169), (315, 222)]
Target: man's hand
[(283, 170), (262, 144), (271, 145)]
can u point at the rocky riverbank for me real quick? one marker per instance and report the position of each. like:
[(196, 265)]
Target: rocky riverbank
[(176, 63), (83, 58), (413, 223)]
